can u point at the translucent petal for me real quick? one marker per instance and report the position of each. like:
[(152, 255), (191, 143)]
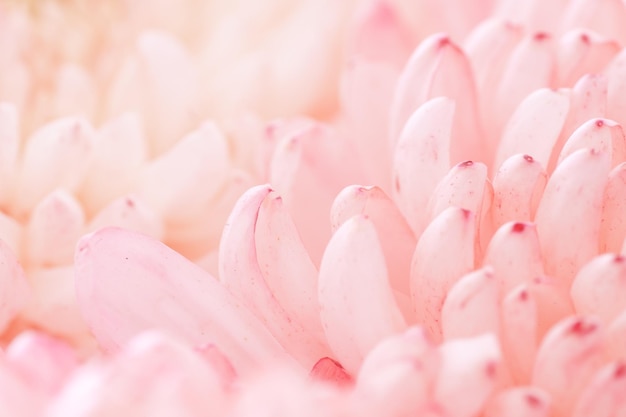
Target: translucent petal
[(613, 223), (604, 396), (600, 134)]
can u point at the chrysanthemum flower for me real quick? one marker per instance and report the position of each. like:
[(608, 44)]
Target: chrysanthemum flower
[(394, 208)]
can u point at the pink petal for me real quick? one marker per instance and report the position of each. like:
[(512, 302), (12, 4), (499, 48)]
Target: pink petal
[(54, 227), (613, 224), (119, 151), (422, 158), (41, 361), (535, 126), (310, 166), (600, 134), (439, 68), (379, 34), (519, 332), (607, 17), (329, 370), (599, 288), (353, 289), (515, 255), (129, 213), (55, 156), (9, 145), (160, 82), (530, 67), (366, 92), (567, 359), (582, 52), (520, 402), (616, 96), (397, 375), (192, 171), (616, 338), (604, 396), (262, 288), (113, 266), (517, 189), (568, 217), (444, 253), (472, 306), (396, 238), (14, 289), (75, 94), (534, 14), (553, 303), (468, 375)]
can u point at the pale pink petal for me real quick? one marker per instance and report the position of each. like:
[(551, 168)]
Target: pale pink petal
[(535, 126), (159, 81), (17, 397), (553, 303), (520, 402), (582, 52), (588, 100), (42, 361), (53, 229), (613, 223), (517, 189), (599, 288), (606, 16), (530, 67), (469, 374), (515, 255), (444, 253), (604, 396), (286, 266), (422, 158), (567, 359), (9, 145), (397, 375), (568, 217), (114, 265), (616, 95), (616, 338), (11, 232), (193, 171), (14, 288), (310, 166), (396, 238), (489, 49), (129, 213), (119, 151), (519, 332), (366, 92), (534, 14), (472, 306), (242, 273), (75, 93), (600, 134), (56, 156), (440, 68), (353, 289), (379, 34)]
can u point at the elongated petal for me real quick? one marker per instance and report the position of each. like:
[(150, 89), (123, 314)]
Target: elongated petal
[(55, 156), (567, 359), (535, 14), (616, 95), (604, 396), (129, 213), (613, 223), (599, 288), (193, 171), (440, 68), (9, 145), (396, 238), (520, 402), (582, 52), (444, 253), (54, 227), (518, 187), (354, 288), (515, 255), (519, 332), (113, 265), (535, 126), (119, 151), (14, 288), (472, 306), (588, 100), (607, 17), (241, 272), (600, 134), (468, 376), (422, 158), (553, 303), (568, 217)]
